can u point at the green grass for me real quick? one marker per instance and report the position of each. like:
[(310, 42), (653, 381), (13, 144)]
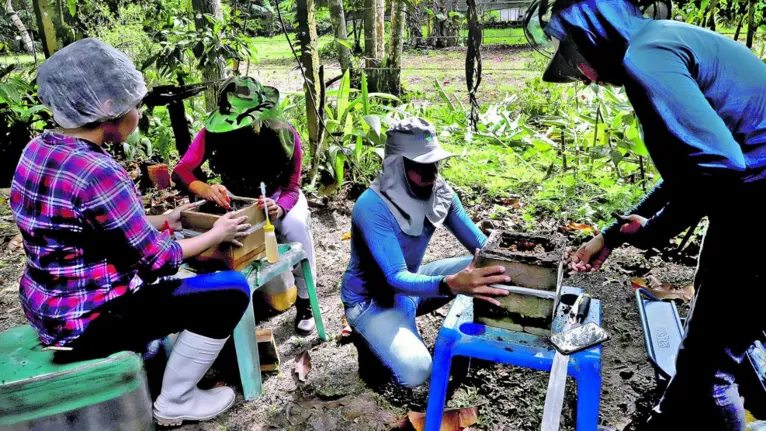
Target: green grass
[(277, 50), (17, 59)]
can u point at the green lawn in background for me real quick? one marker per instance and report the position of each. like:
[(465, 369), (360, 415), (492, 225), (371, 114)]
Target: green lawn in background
[(16, 59)]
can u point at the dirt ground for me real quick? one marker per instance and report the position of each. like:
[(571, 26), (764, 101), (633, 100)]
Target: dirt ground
[(334, 398)]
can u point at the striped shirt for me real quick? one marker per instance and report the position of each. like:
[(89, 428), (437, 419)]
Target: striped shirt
[(86, 235)]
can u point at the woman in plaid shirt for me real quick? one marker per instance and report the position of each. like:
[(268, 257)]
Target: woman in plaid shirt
[(93, 254)]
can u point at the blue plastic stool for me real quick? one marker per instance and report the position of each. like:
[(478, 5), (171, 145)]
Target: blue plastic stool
[(459, 336)]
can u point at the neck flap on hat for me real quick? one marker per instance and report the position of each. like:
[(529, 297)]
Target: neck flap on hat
[(411, 212)]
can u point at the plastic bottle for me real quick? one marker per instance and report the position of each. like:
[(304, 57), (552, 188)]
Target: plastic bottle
[(272, 253)]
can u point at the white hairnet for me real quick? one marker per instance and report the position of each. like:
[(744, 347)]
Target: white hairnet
[(89, 81)]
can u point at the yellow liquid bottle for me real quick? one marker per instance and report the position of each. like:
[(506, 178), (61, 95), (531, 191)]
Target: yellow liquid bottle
[(272, 252)]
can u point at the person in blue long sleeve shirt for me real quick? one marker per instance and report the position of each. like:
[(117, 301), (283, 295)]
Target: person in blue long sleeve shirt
[(701, 99), (385, 286)]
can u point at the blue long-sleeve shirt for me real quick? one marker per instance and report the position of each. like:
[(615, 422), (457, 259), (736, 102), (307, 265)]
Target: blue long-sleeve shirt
[(385, 260), (701, 97)]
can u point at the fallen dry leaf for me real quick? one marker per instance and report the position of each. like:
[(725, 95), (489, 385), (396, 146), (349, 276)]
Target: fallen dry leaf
[(452, 419), (346, 236), (579, 226), (16, 243), (468, 416), (303, 365), (509, 202), (664, 290)]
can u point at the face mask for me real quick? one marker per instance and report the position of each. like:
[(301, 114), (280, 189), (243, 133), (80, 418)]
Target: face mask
[(421, 177)]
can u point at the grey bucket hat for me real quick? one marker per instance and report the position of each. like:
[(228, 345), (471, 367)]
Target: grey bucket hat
[(415, 139)]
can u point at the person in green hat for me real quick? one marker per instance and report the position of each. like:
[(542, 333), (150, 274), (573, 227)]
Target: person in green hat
[(247, 141)]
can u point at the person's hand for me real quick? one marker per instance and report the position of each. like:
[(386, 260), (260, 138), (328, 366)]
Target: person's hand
[(475, 282), (590, 256), (174, 218), (275, 211), (228, 228), (635, 222), (594, 253), (216, 193)]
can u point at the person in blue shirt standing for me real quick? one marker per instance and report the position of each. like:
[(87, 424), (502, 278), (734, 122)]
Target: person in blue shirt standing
[(701, 99), (385, 286)]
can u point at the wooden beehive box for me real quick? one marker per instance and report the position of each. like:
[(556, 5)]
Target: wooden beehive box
[(535, 265), (201, 219)]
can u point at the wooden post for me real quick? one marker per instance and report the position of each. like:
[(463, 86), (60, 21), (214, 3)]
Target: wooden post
[(307, 35), (44, 11)]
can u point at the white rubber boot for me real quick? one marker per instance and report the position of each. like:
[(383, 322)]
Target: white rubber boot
[(304, 317), (180, 399)]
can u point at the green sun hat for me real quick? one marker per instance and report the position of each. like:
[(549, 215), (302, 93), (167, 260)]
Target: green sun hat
[(244, 102)]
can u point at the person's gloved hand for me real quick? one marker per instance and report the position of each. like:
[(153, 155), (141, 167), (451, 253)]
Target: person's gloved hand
[(594, 253)]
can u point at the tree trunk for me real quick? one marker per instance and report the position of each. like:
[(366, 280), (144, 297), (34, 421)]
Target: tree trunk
[(45, 11), (357, 45), (751, 23), (307, 34), (380, 28), (370, 35), (415, 29), (444, 32), (739, 27), (338, 17), (392, 82), (213, 67), (20, 27), (473, 62)]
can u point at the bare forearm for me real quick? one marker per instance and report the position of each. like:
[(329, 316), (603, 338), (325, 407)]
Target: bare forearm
[(198, 188), (194, 246)]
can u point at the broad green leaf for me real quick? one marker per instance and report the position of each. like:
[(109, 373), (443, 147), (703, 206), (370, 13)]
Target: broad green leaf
[(343, 91), (444, 95), (72, 6), (616, 156), (374, 122), (541, 145), (358, 148), (365, 96), (349, 127), (340, 163), (344, 43)]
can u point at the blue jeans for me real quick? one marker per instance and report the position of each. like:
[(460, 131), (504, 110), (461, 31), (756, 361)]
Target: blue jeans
[(390, 331)]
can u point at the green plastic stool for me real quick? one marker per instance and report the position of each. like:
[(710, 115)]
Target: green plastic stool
[(36, 393), (258, 274)]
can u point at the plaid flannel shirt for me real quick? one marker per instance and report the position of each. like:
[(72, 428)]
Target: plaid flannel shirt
[(86, 235)]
